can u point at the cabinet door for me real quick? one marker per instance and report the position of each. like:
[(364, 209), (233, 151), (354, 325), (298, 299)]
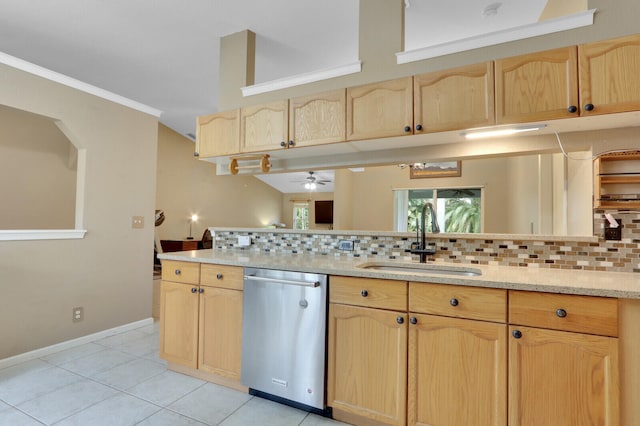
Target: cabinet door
[(318, 119), (179, 323), (609, 73), (380, 110), (218, 134), (264, 127), (220, 345), (536, 87), (457, 372), (367, 364), (562, 378), (454, 99)]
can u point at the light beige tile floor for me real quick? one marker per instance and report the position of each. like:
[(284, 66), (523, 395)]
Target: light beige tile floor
[(120, 380)]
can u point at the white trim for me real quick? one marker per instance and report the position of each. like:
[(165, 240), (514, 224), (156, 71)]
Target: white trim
[(34, 69), (48, 350), (41, 234), (563, 23), (299, 79)]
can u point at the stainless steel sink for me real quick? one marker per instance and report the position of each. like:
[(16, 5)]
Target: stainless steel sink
[(421, 269)]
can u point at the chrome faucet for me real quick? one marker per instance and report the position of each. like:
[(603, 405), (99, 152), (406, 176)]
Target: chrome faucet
[(421, 248)]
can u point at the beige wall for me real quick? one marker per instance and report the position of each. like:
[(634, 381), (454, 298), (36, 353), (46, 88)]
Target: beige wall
[(370, 193), (109, 271), (37, 173), (186, 186)]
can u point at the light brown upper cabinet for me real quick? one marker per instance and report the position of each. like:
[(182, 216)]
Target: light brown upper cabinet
[(264, 127), (454, 99), (318, 119), (380, 110), (218, 134), (610, 76), (538, 86)]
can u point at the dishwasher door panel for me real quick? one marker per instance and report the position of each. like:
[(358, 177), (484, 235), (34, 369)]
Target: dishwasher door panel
[(284, 336)]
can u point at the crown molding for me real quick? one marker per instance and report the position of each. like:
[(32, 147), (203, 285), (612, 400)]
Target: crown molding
[(54, 76), (563, 23)]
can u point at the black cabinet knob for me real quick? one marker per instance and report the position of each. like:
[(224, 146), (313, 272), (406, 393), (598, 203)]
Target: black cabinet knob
[(561, 313), (588, 107), (201, 290), (400, 320), (364, 293), (407, 129), (572, 109), (291, 143), (196, 154), (413, 320), (194, 290), (419, 127), (219, 276), (283, 144), (517, 334), (177, 271), (454, 302)]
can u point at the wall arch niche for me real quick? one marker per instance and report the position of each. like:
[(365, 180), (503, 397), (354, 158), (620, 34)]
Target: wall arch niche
[(41, 178)]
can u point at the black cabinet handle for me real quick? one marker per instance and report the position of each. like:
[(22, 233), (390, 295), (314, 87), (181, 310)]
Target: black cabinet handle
[(418, 127), (400, 320), (454, 302), (364, 293), (177, 271), (201, 290), (561, 313), (194, 290), (196, 154), (407, 129), (219, 276), (291, 143), (283, 144), (572, 109), (413, 320), (589, 107), (517, 334)]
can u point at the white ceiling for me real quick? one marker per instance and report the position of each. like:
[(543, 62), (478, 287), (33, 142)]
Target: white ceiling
[(291, 183), (164, 53)]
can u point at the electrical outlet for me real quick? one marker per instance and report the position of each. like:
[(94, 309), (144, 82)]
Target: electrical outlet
[(244, 240), (78, 314), (137, 221), (613, 234), (346, 245)]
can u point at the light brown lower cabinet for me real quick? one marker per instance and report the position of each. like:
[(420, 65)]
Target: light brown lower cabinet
[(562, 378), (457, 372), (367, 366), (201, 320)]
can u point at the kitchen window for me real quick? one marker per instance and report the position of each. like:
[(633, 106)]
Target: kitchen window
[(301, 216), (457, 209)]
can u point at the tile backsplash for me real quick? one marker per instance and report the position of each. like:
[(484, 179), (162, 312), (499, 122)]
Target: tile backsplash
[(586, 254)]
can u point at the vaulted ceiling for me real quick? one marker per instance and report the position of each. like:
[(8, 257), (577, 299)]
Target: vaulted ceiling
[(164, 53)]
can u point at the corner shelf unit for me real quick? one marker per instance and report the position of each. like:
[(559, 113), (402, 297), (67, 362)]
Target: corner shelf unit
[(616, 179)]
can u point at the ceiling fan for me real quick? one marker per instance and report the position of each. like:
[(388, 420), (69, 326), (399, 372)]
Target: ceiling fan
[(311, 182)]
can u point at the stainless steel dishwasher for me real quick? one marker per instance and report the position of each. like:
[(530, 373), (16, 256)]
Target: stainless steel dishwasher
[(284, 337)]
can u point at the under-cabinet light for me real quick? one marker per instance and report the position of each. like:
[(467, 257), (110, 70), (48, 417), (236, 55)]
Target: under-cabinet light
[(489, 133)]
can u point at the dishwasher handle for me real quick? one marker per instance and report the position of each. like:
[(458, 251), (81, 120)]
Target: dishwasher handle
[(281, 281)]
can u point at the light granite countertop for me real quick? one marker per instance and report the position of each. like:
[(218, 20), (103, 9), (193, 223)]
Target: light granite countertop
[(591, 283)]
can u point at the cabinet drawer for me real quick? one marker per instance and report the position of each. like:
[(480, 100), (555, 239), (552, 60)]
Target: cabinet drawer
[(222, 276), (369, 292), (582, 314), (181, 272), (485, 304)]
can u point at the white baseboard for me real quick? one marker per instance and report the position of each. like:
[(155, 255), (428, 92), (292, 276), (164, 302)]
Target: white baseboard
[(38, 353)]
